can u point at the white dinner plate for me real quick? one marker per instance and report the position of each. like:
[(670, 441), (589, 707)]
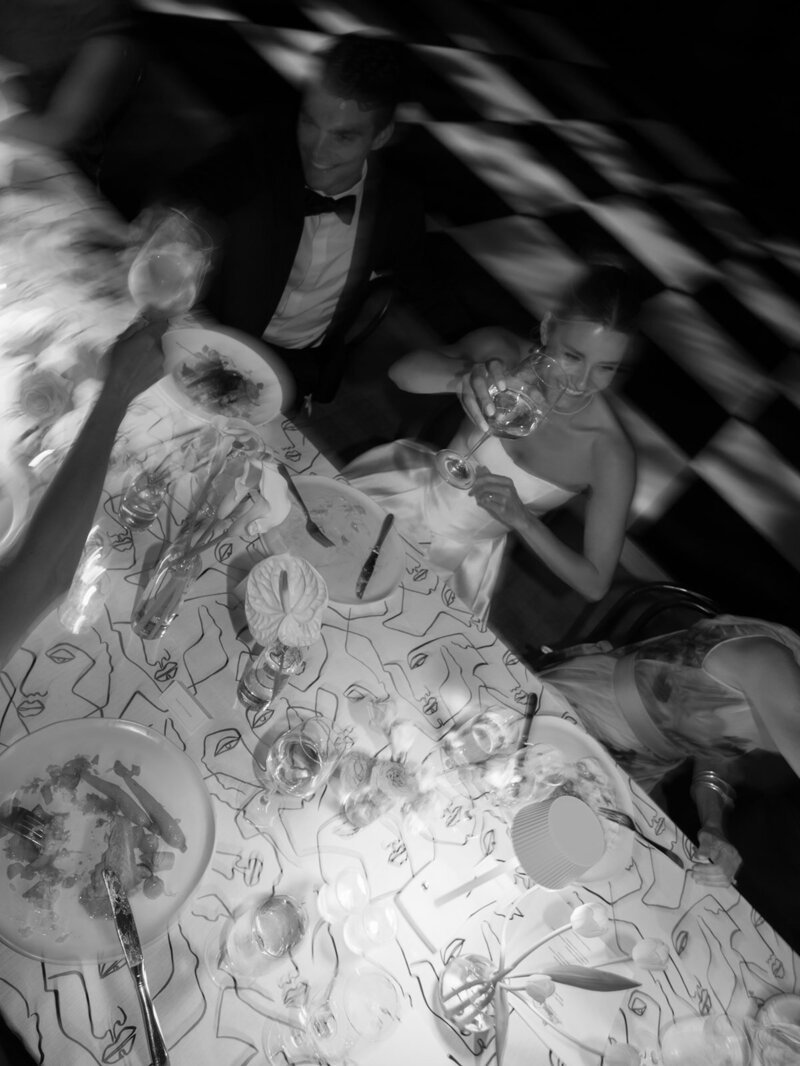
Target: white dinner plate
[(575, 743), (64, 931), (260, 376), (353, 521)]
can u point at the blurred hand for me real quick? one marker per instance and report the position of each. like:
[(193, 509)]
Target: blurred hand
[(724, 860), (497, 495), (135, 361), (475, 386)]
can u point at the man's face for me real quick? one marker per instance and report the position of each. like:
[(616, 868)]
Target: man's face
[(334, 137)]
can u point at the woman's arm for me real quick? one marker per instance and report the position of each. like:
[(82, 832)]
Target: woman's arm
[(591, 571), (92, 87), (432, 370), (43, 563)]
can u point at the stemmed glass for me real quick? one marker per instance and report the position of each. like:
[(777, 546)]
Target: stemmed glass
[(360, 1009), (166, 276), (532, 389), (256, 939), (298, 763)]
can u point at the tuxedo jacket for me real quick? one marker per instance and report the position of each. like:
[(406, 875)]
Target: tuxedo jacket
[(252, 193)]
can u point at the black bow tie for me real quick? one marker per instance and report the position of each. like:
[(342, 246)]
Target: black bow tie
[(317, 204)]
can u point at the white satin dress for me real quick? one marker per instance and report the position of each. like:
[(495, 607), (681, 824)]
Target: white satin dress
[(463, 543)]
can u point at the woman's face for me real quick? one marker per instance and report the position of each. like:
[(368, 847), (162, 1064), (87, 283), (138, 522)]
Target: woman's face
[(590, 354)]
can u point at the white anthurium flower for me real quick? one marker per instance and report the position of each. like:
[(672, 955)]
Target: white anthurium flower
[(540, 988), (651, 954), (590, 920), (292, 613)]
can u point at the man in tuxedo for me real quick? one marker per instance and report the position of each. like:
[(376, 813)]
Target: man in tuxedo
[(308, 216)]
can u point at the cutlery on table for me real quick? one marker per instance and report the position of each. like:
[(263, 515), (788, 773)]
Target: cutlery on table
[(132, 949), (26, 824), (372, 558), (625, 819), (312, 528)]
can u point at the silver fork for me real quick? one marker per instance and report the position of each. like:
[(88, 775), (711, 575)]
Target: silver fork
[(25, 824), (312, 528), (625, 819)]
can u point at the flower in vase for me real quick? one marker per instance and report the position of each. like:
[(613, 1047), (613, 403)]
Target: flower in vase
[(590, 920), (651, 954), (44, 396), (288, 609)]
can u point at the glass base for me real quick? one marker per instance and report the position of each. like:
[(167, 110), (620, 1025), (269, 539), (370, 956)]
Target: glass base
[(456, 471)]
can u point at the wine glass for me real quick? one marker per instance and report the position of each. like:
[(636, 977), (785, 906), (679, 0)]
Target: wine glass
[(532, 389), (298, 763), (463, 972), (263, 933), (166, 275), (361, 1008)]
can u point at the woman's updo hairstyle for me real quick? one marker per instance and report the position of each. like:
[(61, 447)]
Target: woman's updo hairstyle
[(604, 292)]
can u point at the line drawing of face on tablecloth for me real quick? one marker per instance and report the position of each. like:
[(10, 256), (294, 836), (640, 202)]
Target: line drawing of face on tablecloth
[(62, 677)]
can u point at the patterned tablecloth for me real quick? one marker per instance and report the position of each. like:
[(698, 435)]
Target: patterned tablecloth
[(419, 648)]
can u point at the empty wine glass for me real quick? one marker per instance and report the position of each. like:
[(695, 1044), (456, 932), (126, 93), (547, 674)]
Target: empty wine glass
[(256, 939), (360, 1009), (166, 275), (532, 389), (462, 972), (298, 763)]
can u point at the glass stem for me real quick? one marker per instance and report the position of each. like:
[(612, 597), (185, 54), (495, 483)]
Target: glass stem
[(484, 437)]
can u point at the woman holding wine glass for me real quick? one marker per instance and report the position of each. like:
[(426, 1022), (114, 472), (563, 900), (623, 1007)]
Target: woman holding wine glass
[(576, 445)]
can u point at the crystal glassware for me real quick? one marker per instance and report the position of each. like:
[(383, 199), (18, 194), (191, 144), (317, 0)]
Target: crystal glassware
[(83, 603), (256, 939), (460, 971), (346, 893), (266, 673), (298, 763), (164, 594), (532, 389), (492, 732), (360, 1009), (372, 927), (167, 273), (142, 499)]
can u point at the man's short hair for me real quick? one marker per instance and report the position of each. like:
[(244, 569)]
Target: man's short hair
[(369, 70)]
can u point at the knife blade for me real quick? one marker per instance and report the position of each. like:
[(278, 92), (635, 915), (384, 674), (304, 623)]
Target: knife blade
[(372, 558), (132, 949)]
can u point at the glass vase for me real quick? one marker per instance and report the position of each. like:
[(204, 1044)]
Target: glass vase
[(267, 673), (164, 594)]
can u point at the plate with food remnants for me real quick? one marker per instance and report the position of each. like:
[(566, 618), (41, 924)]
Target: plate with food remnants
[(352, 521), (562, 759), (224, 373), (112, 793)]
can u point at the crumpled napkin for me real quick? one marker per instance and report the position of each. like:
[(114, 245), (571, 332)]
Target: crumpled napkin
[(295, 617), (269, 490)]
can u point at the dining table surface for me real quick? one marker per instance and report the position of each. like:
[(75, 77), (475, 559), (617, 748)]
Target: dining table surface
[(396, 676)]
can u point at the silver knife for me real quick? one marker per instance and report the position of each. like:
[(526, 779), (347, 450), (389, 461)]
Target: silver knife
[(372, 558), (132, 949)]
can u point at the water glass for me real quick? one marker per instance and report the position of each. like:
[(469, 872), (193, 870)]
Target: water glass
[(164, 593), (346, 894), (495, 731), (711, 1040), (372, 927), (258, 938), (459, 971), (142, 499), (83, 603), (266, 673)]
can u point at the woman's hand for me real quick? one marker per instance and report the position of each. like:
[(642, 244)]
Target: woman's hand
[(724, 860), (498, 496), (475, 386)]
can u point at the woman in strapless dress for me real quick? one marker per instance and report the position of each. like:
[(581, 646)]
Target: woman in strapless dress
[(580, 448)]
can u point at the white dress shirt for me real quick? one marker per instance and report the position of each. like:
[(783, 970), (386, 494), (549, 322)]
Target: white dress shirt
[(317, 277)]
